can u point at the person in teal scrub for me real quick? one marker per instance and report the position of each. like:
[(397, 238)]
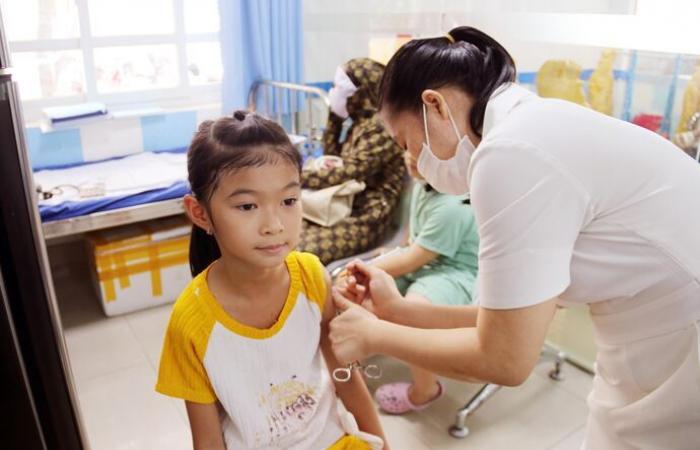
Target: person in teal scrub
[(438, 266)]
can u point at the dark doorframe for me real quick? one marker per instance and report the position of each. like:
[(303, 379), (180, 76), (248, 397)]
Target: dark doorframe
[(37, 370)]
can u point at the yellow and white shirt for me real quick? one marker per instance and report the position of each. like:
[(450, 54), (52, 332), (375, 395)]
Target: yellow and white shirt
[(272, 383)]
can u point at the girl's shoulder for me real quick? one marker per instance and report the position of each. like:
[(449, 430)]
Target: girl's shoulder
[(311, 274), (190, 314)]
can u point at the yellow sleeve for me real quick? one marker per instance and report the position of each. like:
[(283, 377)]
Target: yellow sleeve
[(313, 278), (182, 373)]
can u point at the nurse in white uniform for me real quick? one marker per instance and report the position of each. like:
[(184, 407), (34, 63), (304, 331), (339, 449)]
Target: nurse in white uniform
[(572, 207)]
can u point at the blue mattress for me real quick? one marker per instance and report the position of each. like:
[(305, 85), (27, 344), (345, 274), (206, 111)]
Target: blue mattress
[(66, 210)]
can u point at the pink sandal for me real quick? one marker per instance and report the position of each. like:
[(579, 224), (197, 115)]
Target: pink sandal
[(393, 398)]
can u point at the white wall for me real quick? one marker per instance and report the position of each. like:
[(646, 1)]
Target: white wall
[(532, 30), (337, 30)]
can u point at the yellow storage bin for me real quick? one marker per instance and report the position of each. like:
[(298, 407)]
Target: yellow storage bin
[(142, 265)]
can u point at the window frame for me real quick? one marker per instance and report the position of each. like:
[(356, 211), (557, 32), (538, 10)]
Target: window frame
[(180, 96)]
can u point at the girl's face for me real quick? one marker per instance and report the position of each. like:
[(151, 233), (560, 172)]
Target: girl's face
[(255, 213)]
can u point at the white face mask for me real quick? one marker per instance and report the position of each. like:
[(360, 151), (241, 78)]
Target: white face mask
[(342, 89), (448, 176)]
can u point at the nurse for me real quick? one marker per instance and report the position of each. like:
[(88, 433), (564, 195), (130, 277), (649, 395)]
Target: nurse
[(572, 207)]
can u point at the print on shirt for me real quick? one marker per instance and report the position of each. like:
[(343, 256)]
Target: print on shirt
[(288, 405)]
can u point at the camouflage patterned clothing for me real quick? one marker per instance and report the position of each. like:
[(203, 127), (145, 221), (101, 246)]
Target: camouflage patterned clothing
[(370, 155)]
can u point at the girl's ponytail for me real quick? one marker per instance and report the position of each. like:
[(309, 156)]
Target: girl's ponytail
[(203, 250), (465, 58)]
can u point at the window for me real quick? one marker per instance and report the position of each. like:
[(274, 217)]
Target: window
[(163, 52)]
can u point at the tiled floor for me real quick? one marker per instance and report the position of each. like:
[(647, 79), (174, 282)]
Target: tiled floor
[(114, 363)]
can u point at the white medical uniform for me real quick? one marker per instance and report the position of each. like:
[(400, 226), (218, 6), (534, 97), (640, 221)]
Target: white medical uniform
[(574, 204)]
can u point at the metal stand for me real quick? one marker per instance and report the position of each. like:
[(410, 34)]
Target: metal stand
[(460, 430), (559, 360)]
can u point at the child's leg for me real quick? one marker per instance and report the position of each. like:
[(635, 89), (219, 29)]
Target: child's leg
[(424, 388), (425, 384), (441, 289)]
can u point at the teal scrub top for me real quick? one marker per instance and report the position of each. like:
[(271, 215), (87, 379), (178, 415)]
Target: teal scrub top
[(444, 224)]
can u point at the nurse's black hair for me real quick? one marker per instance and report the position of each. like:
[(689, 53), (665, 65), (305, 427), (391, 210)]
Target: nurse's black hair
[(474, 62), (219, 147)]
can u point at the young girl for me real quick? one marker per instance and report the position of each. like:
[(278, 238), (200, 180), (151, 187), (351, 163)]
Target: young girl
[(244, 343), (439, 266)]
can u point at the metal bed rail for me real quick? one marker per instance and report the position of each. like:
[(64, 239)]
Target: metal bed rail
[(113, 218), (272, 100)]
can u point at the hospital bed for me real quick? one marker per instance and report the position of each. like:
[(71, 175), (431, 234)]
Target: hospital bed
[(113, 192), (270, 98)]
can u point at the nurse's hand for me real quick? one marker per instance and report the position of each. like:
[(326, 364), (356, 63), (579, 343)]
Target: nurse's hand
[(351, 332), (372, 288)]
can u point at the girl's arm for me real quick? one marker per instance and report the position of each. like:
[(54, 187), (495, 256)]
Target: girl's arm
[(205, 426), (411, 259), (353, 393)]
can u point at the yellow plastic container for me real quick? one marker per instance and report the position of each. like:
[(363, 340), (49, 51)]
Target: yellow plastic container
[(561, 79)]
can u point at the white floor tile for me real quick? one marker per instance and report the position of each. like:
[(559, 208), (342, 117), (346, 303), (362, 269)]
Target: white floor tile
[(576, 381), (403, 433), (534, 416), (149, 327), (97, 345), (122, 412), (101, 347)]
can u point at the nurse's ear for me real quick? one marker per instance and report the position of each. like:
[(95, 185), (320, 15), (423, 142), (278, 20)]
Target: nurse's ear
[(435, 101)]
